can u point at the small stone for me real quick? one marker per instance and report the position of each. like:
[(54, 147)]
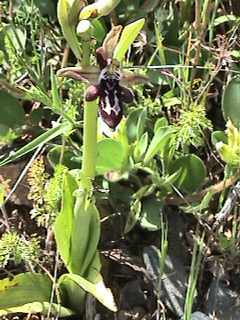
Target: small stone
[(173, 285), (198, 316), (222, 302), (132, 296)]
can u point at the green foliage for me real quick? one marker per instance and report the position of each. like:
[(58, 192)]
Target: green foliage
[(67, 156), (189, 130), (45, 192), (29, 293), (129, 34), (14, 44), (150, 216), (106, 163), (77, 232), (7, 135), (77, 249), (12, 113), (231, 101), (229, 145), (159, 143), (99, 291), (192, 173), (15, 292), (193, 275), (37, 142), (135, 124), (16, 249)]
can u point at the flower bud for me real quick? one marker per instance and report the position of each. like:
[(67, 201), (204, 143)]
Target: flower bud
[(92, 93), (98, 9), (84, 29)]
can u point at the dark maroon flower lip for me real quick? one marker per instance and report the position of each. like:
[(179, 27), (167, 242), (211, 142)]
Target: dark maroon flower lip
[(107, 81)]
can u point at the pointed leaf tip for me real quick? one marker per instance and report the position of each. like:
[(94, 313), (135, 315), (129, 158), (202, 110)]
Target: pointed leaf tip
[(128, 36)]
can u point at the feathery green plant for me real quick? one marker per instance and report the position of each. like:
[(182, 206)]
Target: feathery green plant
[(16, 249)]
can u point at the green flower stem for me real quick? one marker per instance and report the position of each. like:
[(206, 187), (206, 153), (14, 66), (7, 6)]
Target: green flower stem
[(89, 142), (86, 52)]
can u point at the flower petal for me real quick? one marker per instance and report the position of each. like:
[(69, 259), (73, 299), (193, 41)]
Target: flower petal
[(88, 74), (111, 40)]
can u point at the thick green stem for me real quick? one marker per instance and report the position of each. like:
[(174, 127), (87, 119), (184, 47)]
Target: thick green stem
[(89, 142)]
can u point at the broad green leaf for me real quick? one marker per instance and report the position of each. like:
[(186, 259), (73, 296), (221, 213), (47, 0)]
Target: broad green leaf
[(23, 289), (218, 136), (85, 234), (150, 217), (98, 290), (192, 172), (94, 268), (64, 221), (135, 124), (168, 180), (12, 113), (42, 139), (71, 294), (231, 101), (159, 142), (110, 156), (77, 228), (39, 307), (141, 123), (160, 123), (141, 147), (133, 215), (129, 34)]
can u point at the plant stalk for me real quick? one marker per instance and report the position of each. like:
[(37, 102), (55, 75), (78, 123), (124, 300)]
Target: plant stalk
[(89, 141)]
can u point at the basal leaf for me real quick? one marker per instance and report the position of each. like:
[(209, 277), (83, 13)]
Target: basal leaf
[(64, 222), (71, 294), (23, 289), (39, 307), (85, 234), (98, 290)]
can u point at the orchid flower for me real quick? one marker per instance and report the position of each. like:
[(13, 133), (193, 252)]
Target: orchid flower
[(106, 81)]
